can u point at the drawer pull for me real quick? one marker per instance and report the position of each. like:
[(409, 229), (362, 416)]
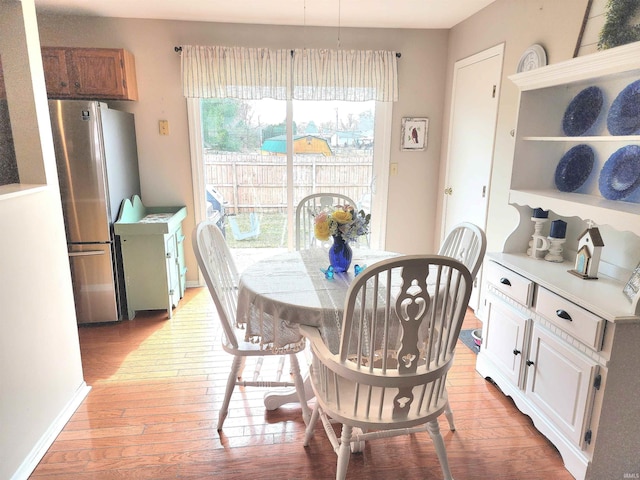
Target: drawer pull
[(505, 281), (516, 351), (564, 314), (529, 363)]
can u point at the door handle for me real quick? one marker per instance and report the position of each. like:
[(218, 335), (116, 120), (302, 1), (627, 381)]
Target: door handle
[(87, 253)]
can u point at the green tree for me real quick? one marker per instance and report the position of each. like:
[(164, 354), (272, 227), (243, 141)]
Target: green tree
[(227, 125)]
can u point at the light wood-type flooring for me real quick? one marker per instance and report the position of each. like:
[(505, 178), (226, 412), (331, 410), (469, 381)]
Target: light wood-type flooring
[(157, 385)]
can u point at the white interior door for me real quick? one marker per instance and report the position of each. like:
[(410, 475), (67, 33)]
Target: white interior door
[(474, 109)]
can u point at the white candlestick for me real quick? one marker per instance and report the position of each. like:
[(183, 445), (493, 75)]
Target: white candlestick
[(555, 250)]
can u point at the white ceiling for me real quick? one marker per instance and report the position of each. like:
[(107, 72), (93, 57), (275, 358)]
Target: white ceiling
[(345, 13)]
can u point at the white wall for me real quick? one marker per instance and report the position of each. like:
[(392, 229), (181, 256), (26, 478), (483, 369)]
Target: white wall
[(164, 161), (40, 369)]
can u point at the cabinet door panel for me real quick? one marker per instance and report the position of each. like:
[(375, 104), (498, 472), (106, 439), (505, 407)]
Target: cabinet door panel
[(56, 75), (97, 72), (560, 382), (503, 339)]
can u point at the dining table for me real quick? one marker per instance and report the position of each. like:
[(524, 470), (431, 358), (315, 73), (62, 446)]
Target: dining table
[(278, 293)]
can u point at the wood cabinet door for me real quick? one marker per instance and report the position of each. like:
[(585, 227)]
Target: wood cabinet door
[(560, 382), (97, 72), (503, 339), (56, 75)]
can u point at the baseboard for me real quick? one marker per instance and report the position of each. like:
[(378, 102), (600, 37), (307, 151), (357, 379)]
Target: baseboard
[(31, 461)]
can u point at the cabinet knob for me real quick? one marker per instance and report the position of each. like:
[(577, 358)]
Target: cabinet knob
[(564, 315), (505, 281), (529, 363), (516, 351), (63, 84), (77, 84)]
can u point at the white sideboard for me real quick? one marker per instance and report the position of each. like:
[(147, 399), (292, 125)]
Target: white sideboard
[(566, 349)]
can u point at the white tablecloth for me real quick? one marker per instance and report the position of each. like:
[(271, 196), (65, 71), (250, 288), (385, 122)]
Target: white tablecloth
[(280, 292)]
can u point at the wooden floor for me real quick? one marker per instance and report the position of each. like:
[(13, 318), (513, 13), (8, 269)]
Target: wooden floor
[(157, 385)]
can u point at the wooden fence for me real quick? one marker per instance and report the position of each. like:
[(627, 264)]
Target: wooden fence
[(254, 182)]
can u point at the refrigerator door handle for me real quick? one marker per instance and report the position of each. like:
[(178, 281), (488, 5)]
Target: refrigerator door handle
[(87, 253)]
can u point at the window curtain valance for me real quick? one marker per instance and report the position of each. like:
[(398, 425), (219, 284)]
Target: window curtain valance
[(302, 74)]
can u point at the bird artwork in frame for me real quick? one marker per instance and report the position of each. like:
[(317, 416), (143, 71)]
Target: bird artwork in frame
[(414, 133)]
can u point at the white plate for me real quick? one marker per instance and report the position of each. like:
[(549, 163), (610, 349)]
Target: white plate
[(532, 58)]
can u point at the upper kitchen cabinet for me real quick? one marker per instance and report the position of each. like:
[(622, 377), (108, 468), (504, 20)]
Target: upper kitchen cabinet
[(89, 73)]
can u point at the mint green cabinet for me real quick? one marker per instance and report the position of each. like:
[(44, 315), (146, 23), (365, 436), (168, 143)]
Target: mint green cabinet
[(152, 245)]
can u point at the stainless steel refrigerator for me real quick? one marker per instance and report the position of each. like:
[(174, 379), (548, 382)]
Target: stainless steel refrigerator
[(96, 154)]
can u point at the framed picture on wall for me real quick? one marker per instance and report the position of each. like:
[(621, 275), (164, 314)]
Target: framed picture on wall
[(414, 133), (633, 285)]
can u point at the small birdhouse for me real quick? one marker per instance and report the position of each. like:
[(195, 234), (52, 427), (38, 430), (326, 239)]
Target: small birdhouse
[(588, 257)]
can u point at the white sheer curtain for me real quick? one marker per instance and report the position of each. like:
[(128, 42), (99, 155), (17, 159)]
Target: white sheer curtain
[(235, 72), (302, 74), (351, 75)]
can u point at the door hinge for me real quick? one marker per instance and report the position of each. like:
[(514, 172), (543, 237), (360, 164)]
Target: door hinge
[(493, 94), (484, 191), (597, 382), (587, 437)]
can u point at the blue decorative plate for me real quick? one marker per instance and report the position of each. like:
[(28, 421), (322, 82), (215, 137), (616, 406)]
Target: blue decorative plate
[(620, 175), (574, 168), (624, 114), (582, 112)]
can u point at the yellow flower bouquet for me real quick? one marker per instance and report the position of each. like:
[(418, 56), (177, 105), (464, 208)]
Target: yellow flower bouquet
[(341, 221)]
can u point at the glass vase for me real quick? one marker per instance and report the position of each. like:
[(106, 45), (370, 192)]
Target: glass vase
[(340, 254)]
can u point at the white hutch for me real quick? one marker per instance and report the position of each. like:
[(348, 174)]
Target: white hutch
[(567, 350)]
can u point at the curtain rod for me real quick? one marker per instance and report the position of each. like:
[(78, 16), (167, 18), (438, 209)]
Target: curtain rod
[(179, 49)]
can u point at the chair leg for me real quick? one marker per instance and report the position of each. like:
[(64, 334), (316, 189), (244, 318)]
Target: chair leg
[(311, 425), (237, 364), (344, 452), (449, 414), (434, 431), (299, 381), (240, 370)]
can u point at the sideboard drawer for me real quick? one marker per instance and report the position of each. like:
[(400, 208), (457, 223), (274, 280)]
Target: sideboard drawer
[(573, 319), (510, 283)]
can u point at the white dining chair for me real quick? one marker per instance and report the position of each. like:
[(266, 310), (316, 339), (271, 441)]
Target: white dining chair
[(306, 211), (466, 243), (384, 381), (221, 276)]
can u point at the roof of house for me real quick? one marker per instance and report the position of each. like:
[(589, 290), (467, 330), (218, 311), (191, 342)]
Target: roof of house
[(594, 233), (278, 144)]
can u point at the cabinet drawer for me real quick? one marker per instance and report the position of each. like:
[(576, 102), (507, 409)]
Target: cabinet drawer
[(573, 319), (510, 283)]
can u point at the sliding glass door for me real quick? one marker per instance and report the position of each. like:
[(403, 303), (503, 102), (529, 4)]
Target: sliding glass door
[(254, 160)]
